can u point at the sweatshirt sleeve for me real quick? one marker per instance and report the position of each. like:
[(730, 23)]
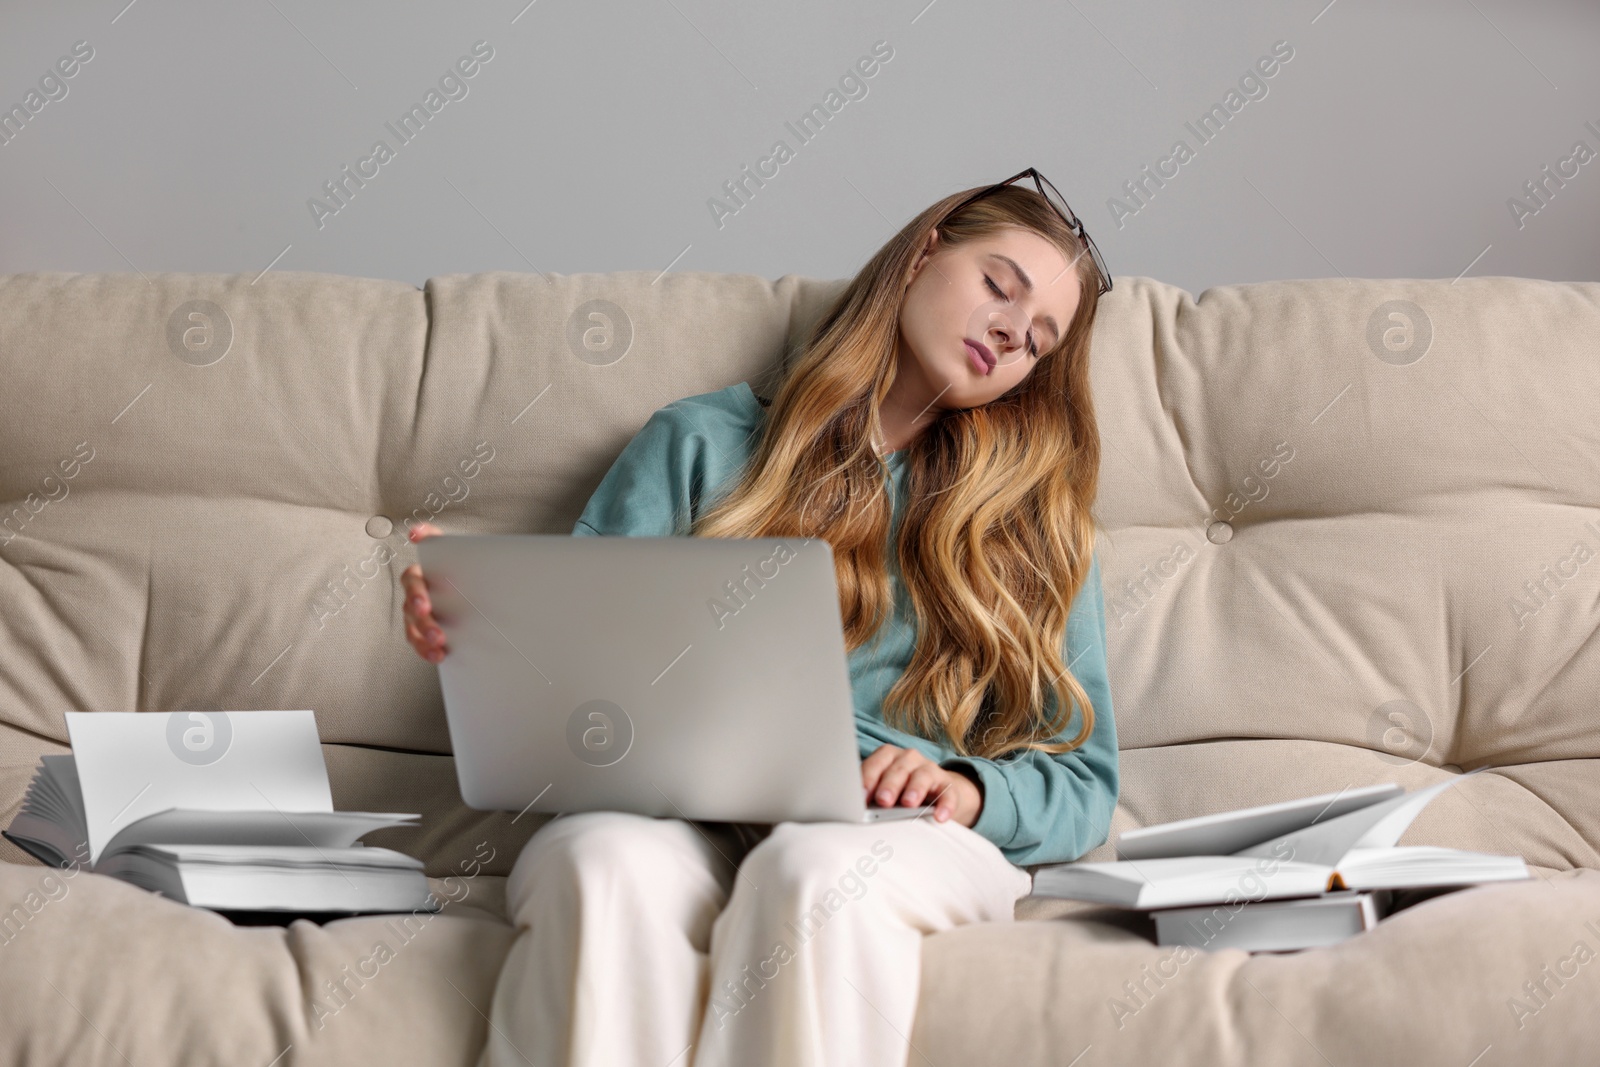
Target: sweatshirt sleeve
[(651, 486), (1043, 808)]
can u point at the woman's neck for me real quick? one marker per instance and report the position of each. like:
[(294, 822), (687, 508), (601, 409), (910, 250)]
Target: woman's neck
[(907, 409)]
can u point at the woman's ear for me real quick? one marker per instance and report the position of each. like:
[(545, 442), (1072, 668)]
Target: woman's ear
[(928, 248)]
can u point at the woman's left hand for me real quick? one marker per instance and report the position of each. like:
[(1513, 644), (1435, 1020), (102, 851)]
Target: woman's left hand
[(894, 775)]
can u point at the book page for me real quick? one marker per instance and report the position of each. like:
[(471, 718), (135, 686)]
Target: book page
[(1385, 833), (359, 858), (1377, 826), (63, 774), (1403, 866), (1171, 881), (1225, 833), (300, 829), (133, 764)]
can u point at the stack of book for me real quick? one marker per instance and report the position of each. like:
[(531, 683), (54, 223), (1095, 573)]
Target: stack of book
[(227, 810), (1279, 877)]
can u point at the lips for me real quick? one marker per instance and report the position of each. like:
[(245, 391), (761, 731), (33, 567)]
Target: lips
[(981, 350)]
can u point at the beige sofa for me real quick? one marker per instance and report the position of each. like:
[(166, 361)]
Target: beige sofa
[(1349, 537)]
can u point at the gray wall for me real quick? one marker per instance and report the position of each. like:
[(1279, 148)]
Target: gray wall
[(1395, 142)]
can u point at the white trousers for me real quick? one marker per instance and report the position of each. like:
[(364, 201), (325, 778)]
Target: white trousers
[(661, 942)]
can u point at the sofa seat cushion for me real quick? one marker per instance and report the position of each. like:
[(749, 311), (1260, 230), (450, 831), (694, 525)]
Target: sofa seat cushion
[(104, 971), (1510, 969), (94, 971)]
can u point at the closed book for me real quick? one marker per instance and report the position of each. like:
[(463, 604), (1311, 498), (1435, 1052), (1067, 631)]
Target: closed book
[(1274, 925)]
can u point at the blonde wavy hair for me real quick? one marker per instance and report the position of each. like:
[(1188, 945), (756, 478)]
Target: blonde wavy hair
[(996, 537)]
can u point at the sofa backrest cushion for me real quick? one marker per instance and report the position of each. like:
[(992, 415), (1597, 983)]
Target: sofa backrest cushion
[(1356, 515)]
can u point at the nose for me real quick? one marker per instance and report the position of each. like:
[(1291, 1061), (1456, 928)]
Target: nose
[(1011, 339)]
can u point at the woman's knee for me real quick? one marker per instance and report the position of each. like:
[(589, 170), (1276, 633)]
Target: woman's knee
[(590, 844), (818, 856)]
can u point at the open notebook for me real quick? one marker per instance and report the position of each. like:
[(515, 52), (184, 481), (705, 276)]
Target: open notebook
[(227, 810), (1292, 849)]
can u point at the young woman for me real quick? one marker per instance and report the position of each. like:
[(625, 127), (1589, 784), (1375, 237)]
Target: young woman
[(938, 431)]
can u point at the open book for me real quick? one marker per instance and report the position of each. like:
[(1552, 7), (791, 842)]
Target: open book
[(1292, 849), (229, 810)]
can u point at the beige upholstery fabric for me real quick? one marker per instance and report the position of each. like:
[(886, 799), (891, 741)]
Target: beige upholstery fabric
[(95, 971), (1305, 523)]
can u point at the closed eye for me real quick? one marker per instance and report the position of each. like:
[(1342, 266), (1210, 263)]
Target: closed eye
[(1033, 349)]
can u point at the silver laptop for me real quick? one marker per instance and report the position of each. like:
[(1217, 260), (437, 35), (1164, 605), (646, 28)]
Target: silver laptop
[(695, 678)]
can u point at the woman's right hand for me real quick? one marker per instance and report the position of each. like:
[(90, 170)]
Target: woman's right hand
[(422, 629)]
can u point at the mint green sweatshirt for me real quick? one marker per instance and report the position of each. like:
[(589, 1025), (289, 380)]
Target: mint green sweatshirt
[(1037, 808)]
